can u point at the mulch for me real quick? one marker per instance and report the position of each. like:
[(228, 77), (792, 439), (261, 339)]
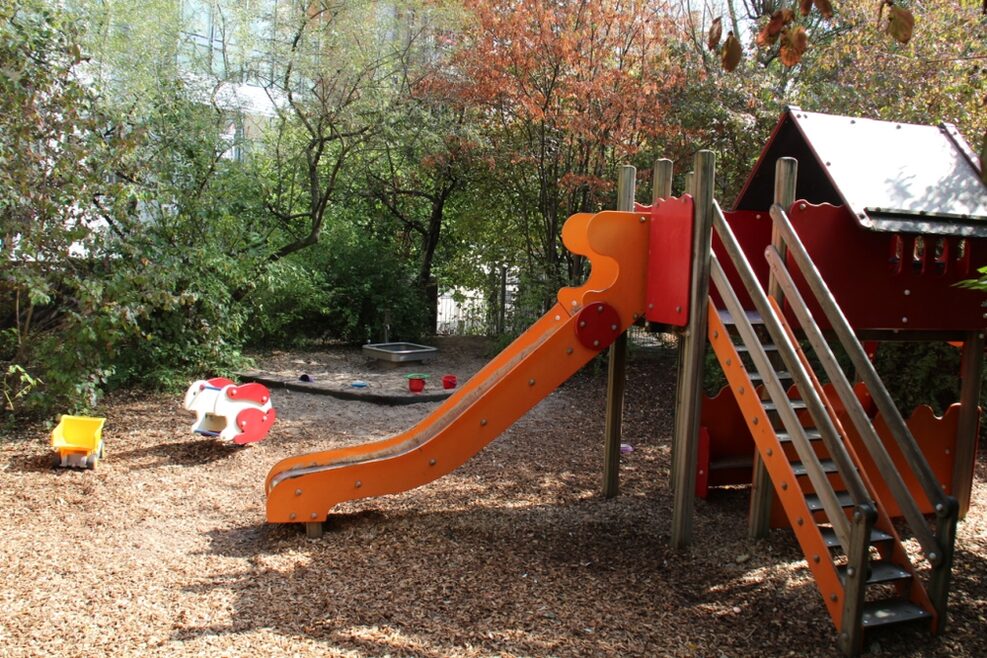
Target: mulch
[(163, 550)]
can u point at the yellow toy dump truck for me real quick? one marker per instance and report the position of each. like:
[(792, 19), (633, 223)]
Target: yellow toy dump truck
[(78, 441)]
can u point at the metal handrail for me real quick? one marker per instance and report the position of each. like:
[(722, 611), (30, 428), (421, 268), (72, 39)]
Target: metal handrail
[(943, 504), (844, 389), (814, 469)]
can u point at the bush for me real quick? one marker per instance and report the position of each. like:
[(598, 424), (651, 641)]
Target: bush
[(57, 157), (345, 288), (118, 242)]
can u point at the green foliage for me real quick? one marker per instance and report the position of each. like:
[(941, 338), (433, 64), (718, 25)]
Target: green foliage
[(937, 76), (288, 303), (185, 251), (17, 383), (347, 289), (118, 243), (920, 373), (367, 287), (979, 283), (136, 250), (56, 156)]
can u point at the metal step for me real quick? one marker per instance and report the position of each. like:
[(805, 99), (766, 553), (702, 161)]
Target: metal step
[(829, 536), (828, 466), (815, 505), (771, 406), (770, 347), (783, 375), (727, 318), (880, 571), (731, 462), (891, 611), (811, 434)]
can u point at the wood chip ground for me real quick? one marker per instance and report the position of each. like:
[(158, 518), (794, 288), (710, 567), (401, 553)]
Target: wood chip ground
[(163, 550)]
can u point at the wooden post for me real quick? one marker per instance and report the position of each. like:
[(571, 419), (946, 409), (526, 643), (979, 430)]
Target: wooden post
[(661, 188), (689, 183), (855, 580), (661, 180), (617, 369), (693, 352), (759, 521), (679, 363), (972, 374), (786, 176)]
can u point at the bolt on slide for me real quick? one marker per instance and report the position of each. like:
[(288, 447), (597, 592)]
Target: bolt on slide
[(584, 321)]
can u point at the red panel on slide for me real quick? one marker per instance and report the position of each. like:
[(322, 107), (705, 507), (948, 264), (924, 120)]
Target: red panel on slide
[(670, 261)]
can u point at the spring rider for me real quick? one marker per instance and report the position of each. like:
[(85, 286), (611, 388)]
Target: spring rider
[(241, 414)]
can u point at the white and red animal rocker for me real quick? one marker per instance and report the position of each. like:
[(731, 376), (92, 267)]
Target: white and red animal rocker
[(241, 414)]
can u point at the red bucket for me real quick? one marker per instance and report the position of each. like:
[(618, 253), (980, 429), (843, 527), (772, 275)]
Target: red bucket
[(416, 385), (449, 381)]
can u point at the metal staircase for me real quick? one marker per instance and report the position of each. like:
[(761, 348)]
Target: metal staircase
[(864, 572)]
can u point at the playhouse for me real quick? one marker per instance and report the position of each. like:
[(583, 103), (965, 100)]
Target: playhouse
[(891, 242), (846, 229)]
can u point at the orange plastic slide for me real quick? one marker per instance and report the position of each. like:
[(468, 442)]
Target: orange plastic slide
[(304, 488)]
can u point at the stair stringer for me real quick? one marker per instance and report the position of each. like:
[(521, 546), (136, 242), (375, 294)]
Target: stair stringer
[(807, 533)]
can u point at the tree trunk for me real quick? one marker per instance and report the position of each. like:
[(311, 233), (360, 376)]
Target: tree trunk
[(426, 283)]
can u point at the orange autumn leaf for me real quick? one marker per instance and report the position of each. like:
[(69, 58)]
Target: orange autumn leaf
[(825, 8), (805, 6), (769, 33), (794, 43), (731, 54), (764, 38), (901, 23), (715, 33)]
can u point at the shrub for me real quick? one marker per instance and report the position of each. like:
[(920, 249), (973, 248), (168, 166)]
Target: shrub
[(345, 288)]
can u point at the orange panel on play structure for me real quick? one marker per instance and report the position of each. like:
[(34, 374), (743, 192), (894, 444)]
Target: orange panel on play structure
[(936, 438)]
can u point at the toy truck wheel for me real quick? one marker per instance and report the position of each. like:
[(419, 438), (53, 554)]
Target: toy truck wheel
[(56, 460), (91, 461)]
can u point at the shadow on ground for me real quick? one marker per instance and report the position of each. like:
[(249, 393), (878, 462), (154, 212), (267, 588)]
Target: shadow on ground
[(543, 580), (33, 463), (192, 452)]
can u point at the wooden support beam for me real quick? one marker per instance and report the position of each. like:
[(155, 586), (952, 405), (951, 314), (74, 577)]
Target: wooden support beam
[(759, 521), (972, 375), (661, 180), (693, 351), (616, 379), (617, 370)]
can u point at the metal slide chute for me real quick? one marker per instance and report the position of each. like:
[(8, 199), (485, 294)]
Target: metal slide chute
[(585, 320)]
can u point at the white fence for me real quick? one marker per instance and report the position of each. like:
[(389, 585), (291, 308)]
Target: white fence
[(462, 313)]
